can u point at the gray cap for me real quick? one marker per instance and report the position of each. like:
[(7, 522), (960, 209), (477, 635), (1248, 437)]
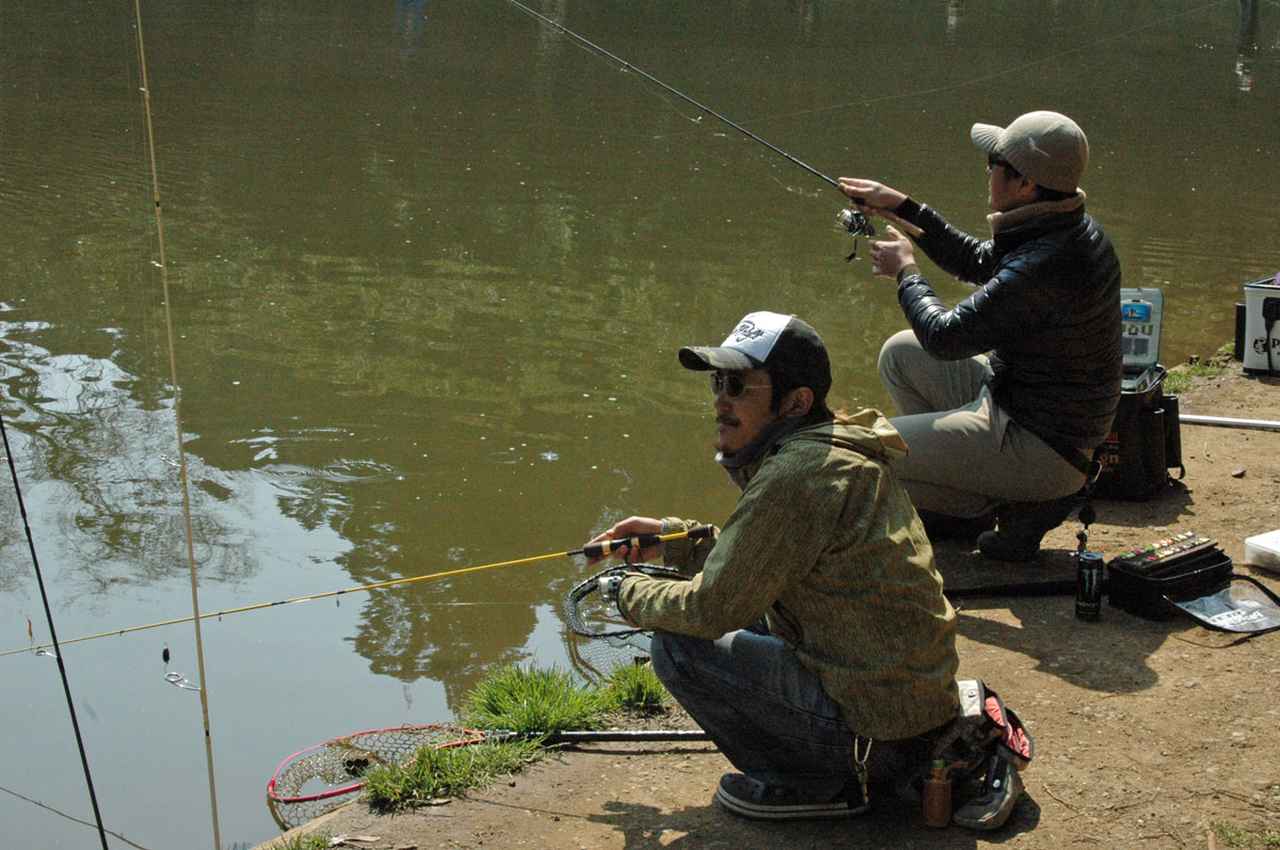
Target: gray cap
[(783, 344), (1048, 148)]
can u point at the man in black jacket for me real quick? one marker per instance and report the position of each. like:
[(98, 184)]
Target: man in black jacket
[(1003, 398)]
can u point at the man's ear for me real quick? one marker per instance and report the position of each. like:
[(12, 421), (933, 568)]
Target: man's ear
[(1028, 192), (798, 402)]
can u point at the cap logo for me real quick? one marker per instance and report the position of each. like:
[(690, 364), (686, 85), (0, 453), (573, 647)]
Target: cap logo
[(756, 334), (745, 331)]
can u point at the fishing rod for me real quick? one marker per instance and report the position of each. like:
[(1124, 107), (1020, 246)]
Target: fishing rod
[(651, 78), (853, 221), (590, 550), (53, 633)]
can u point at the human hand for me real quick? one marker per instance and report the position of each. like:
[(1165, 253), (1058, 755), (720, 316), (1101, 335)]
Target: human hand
[(888, 256), (630, 527), (871, 196)]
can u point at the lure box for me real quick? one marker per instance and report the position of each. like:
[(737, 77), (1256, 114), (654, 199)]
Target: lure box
[(1263, 550), (1186, 566)]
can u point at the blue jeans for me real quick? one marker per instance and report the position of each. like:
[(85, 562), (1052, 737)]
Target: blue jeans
[(769, 714)]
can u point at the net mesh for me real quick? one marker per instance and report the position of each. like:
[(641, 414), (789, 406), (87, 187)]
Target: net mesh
[(321, 778), (599, 640)]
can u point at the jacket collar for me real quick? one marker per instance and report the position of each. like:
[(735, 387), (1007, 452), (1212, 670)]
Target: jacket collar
[(742, 464), (1017, 225)]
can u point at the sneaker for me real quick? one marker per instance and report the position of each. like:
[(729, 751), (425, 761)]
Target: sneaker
[(946, 527), (750, 798), (999, 794), (1022, 525)]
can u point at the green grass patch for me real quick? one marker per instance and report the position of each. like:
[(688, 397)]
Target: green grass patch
[(636, 688), (530, 700), (438, 773), (1239, 837), (524, 700), (313, 841), (1180, 378)]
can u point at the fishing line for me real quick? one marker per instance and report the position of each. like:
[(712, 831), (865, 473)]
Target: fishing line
[(63, 814), (651, 78), (591, 550), (162, 262), (53, 634), (658, 96), (984, 78)]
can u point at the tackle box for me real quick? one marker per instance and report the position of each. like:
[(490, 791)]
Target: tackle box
[(1185, 566)]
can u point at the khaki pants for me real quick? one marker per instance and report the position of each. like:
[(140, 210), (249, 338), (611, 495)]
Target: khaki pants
[(966, 455)]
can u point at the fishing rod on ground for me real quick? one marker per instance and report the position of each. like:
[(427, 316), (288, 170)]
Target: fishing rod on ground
[(853, 221), (590, 550)]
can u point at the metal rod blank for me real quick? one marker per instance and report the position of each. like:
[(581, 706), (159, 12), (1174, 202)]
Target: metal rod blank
[(1229, 422)]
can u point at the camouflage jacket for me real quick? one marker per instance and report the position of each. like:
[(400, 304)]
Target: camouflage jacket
[(825, 545)]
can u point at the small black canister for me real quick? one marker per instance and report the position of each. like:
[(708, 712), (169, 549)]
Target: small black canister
[(1089, 586)]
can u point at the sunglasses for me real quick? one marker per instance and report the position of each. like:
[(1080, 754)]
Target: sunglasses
[(732, 384)]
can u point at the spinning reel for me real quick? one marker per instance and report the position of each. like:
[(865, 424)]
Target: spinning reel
[(856, 224)]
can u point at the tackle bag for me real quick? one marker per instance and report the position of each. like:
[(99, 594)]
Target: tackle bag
[(1145, 442), (984, 749)]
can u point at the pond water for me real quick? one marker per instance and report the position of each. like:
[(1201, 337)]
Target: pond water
[(429, 262)]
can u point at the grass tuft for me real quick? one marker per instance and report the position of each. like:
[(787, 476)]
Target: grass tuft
[(1239, 837), (530, 700), (1180, 378), (636, 688), (312, 841), (524, 700), (438, 773)]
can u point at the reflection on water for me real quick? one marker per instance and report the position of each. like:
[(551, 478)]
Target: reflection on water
[(1247, 45), (429, 273), (410, 24)]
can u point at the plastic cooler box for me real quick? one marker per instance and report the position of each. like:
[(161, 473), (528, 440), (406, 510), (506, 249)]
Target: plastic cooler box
[(1257, 343)]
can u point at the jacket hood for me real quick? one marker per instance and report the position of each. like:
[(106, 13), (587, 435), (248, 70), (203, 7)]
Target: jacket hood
[(868, 432)]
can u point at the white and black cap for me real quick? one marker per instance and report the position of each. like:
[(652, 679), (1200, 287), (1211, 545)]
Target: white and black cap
[(786, 346)]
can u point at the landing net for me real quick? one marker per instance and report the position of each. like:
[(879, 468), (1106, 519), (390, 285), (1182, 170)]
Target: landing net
[(321, 778), (600, 640)]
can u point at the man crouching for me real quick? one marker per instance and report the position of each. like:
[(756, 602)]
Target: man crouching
[(812, 641)]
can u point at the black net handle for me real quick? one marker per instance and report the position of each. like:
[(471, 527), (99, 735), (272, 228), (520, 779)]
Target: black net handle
[(582, 591)]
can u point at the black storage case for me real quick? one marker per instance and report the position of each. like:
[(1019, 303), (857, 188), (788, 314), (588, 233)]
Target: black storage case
[(1143, 593), (1144, 443)]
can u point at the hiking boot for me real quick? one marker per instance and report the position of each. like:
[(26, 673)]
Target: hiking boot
[(946, 527), (1022, 525), (751, 798)]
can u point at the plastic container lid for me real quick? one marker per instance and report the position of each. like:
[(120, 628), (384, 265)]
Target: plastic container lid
[(1263, 550)]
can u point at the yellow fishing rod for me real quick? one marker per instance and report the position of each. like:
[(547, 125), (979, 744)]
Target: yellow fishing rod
[(590, 550)]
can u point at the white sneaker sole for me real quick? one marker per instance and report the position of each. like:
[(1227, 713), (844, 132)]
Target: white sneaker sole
[(802, 811)]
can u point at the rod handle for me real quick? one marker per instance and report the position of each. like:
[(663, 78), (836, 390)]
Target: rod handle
[(643, 541)]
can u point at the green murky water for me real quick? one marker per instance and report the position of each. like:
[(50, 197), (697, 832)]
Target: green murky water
[(429, 264)]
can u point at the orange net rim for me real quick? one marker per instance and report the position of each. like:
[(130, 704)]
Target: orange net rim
[(473, 736)]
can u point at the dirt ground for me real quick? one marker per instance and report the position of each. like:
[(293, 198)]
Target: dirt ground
[(1146, 732)]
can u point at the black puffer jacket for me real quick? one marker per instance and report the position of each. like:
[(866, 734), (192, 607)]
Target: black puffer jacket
[(1048, 311)]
